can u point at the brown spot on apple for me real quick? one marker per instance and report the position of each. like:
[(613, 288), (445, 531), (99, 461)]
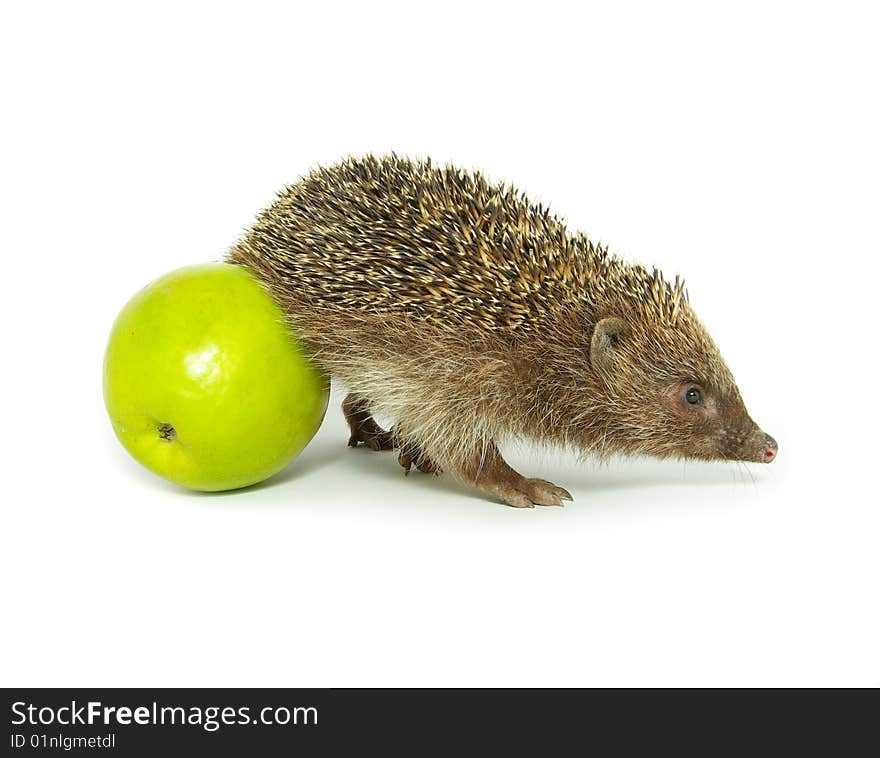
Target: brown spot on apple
[(167, 432)]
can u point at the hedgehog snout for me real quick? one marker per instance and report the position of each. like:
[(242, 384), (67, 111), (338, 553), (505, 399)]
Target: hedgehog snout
[(769, 449)]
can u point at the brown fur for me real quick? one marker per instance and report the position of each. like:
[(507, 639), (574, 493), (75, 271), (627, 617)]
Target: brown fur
[(472, 317)]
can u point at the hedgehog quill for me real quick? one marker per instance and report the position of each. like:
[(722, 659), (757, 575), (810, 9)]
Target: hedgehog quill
[(471, 317)]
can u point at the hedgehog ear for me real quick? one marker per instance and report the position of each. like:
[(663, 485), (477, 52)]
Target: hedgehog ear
[(606, 336)]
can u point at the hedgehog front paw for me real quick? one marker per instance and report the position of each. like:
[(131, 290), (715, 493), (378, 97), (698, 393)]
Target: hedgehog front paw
[(527, 493), (489, 471)]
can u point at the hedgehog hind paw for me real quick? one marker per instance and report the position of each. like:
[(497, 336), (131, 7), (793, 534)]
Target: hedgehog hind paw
[(377, 440), (412, 456), (363, 426)]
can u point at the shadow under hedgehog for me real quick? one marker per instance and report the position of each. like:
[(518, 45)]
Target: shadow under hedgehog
[(471, 317)]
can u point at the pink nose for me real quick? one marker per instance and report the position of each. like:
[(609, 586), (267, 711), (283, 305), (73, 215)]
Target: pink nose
[(770, 448)]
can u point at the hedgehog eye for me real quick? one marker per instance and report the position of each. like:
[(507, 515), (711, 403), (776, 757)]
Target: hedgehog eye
[(693, 396)]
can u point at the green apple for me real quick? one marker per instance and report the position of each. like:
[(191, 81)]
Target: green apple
[(204, 382)]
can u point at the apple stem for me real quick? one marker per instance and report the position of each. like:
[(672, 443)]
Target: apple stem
[(167, 432)]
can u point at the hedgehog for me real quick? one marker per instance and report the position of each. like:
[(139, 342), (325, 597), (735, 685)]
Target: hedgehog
[(472, 317)]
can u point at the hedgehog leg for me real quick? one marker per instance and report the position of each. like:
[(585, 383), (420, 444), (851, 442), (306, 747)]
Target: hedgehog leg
[(489, 472), (363, 426)]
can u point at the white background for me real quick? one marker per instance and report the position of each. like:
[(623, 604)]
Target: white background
[(736, 144)]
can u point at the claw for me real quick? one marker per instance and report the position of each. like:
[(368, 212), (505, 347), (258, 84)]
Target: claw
[(534, 492), (405, 460)]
